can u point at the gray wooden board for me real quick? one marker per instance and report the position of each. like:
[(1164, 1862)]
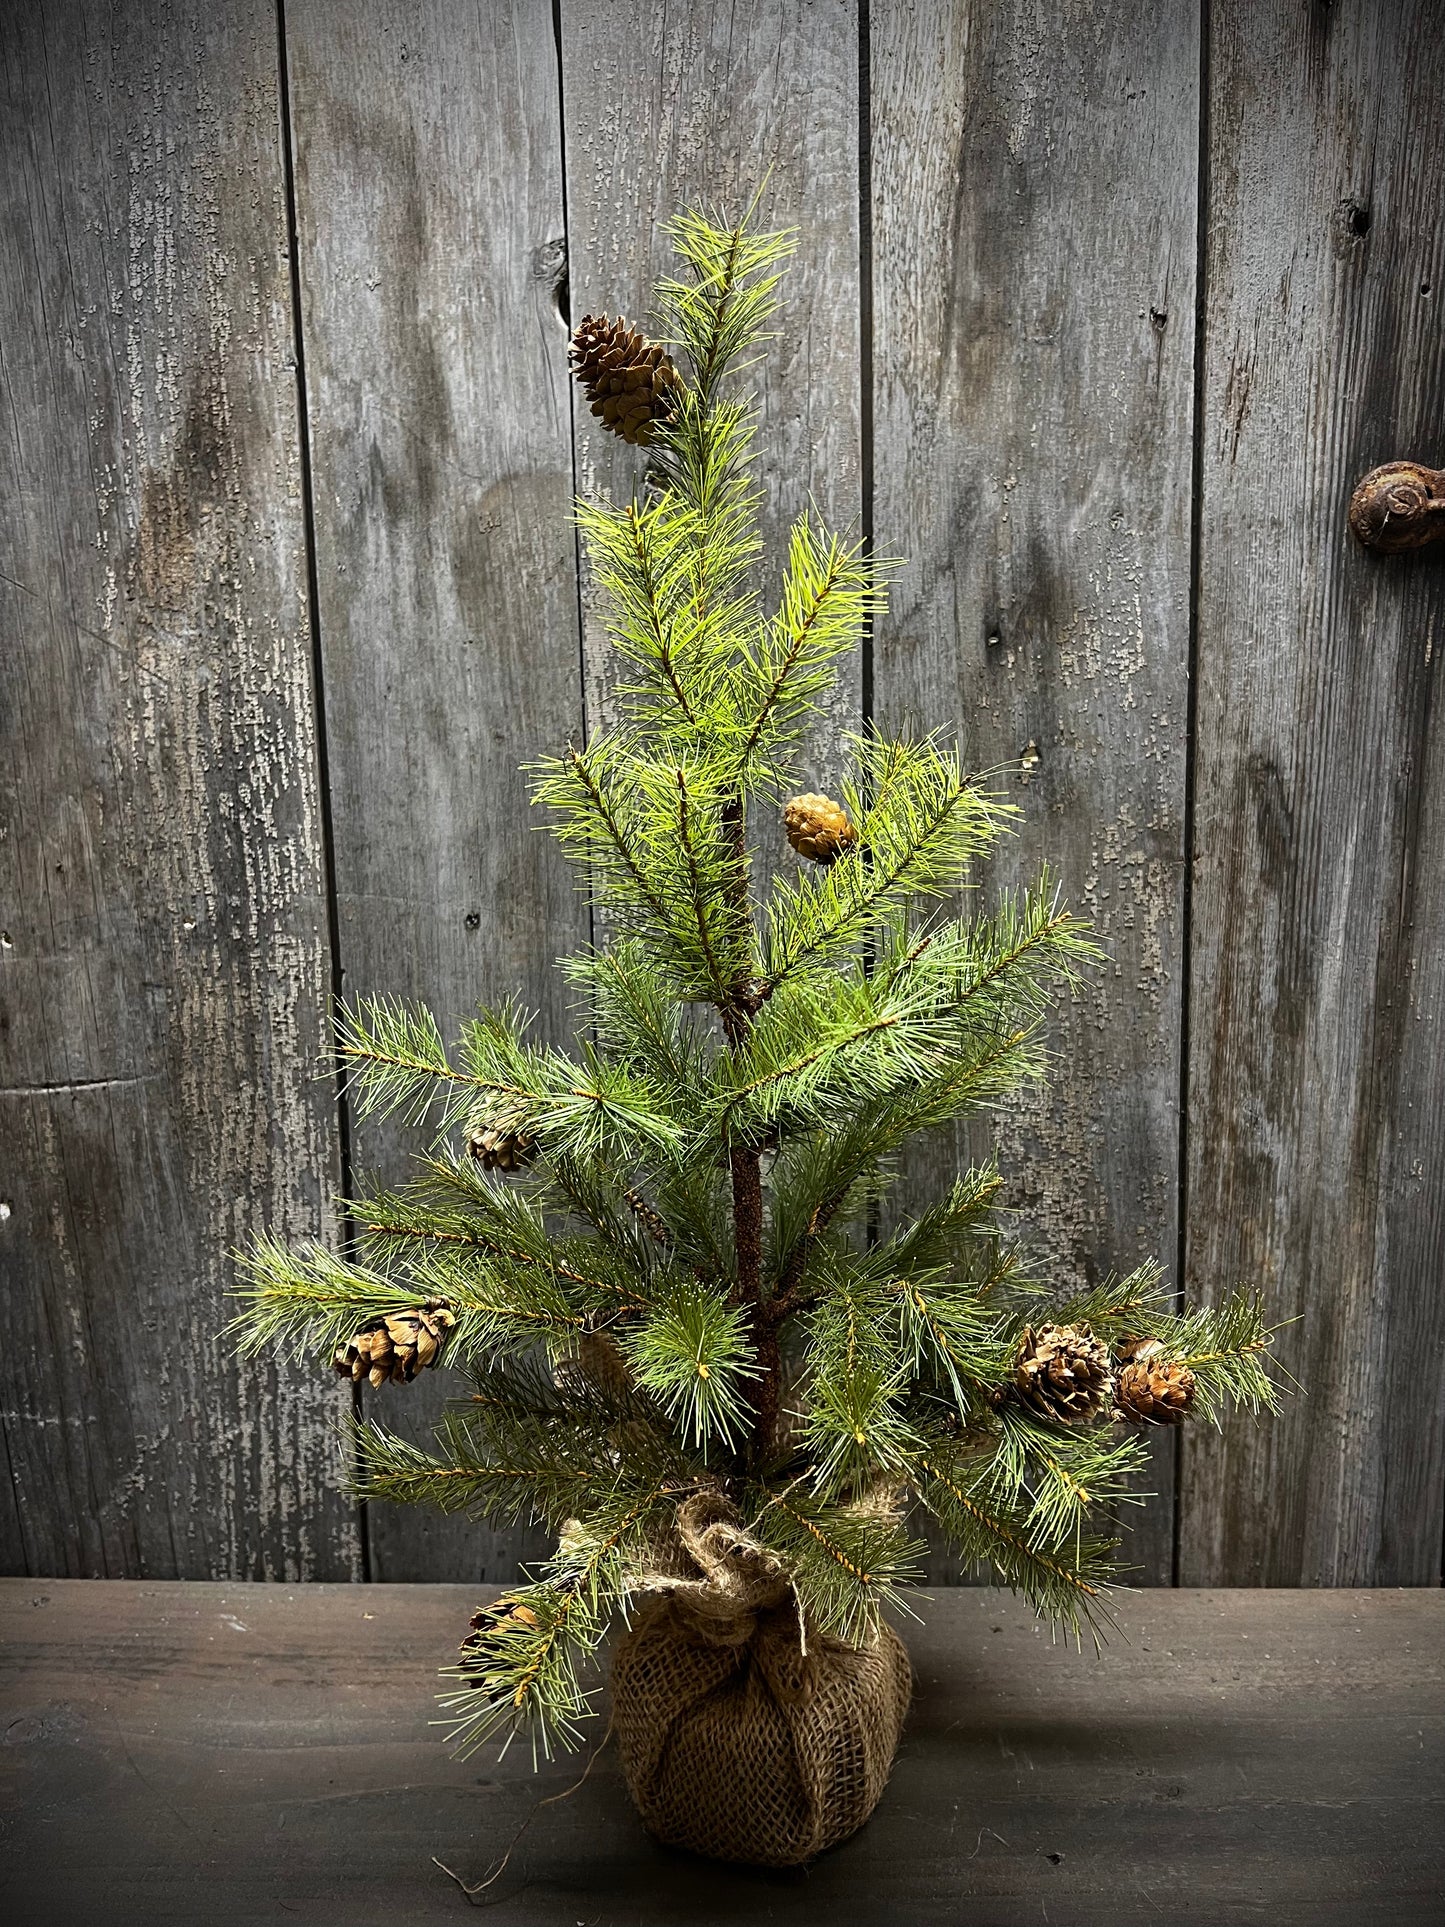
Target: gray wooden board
[(1317, 1165), (431, 253), (1034, 200), (705, 106), (162, 886), (162, 894), (244, 1754)]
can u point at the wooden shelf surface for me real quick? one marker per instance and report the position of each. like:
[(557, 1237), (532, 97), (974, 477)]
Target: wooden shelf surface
[(229, 1754)]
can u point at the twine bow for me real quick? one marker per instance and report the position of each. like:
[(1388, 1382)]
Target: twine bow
[(714, 1578)]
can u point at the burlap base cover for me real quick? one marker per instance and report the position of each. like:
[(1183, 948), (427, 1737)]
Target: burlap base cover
[(738, 1740)]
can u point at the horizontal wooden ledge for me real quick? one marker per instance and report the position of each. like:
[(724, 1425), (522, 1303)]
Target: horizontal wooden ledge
[(249, 1753)]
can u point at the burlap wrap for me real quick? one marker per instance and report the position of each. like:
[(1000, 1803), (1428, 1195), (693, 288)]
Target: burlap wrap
[(739, 1739)]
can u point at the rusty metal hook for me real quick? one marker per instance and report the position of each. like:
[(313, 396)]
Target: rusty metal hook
[(1399, 506)]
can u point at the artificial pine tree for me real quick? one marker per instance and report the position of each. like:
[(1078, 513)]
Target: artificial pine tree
[(654, 1258)]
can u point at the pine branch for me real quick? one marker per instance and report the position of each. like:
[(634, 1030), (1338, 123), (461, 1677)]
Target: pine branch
[(948, 1332), (591, 797), (1065, 1472), (705, 902), (458, 1205), (1014, 963), (532, 1443), (396, 1062), (813, 1056), (1065, 1584), (643, 558), (574, 1107), (715, 313), (309, 1302), (857, 1428), (521, 1669), (829, 593), (795, 1244), (528, 1485), (673, 572), (923, 1332), (692, 1355), (920, 822), (521, 1672), (655, 833), (1226, 1347), (636, 1021), (848, 1562), (692, 1196), (953, 1233), (722, 308), (1114, 1307)]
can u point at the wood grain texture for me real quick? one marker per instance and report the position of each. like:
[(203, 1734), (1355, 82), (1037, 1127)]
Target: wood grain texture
[(1028, 265), (430, 225), (700, 105), (1316, 1165), (251, 1754), (1034, 191), (164, 924)]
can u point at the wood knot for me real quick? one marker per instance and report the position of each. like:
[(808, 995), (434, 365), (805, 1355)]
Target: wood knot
[(1399, 506)]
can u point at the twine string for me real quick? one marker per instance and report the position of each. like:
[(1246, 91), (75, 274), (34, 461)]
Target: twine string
[(550, 1801)]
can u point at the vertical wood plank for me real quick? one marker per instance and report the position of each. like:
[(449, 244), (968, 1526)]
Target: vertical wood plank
[(700, 105), (1317, 1166), (162, 886), (432, 262), (1034, 200)]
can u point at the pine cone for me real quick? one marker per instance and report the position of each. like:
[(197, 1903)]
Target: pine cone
[(486, 1619), (1063, 1372), (500, 1141), (1153, 1389), (818, 828), (627, 378), (651, 1221), (477, 1658), (1129, 1348), (397, 1346)]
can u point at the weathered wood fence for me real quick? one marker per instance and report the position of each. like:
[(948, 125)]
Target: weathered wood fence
[(1100, 310)]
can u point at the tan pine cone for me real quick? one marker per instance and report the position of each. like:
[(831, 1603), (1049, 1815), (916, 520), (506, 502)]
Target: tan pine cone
[(501, 1612), (818, 828), (1129, 1348), (628, 379), (1154, 1389), (500, 1142), (1063, 1372), (397, 1346), (504, 1613)]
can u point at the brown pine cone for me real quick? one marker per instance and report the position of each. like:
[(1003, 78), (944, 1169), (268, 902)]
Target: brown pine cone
[(1154, 1389), (818, 828), (628, 379), (1063, 1372), (397, 1346), (651, 1221)]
